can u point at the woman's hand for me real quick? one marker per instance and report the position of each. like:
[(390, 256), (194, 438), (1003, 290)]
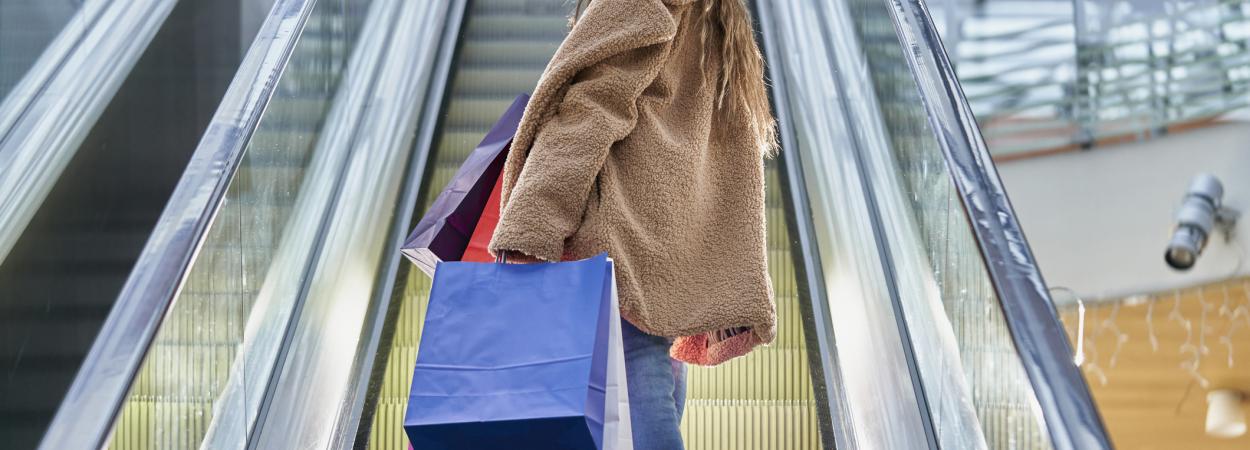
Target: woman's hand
[(515, 257)]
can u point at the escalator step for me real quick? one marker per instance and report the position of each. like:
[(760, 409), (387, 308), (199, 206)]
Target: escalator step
[(766, 376), (520, 7), (510, 54), (476, 113), (211, 319), (160, 423), (750, 424), (503, 83), (517, 26)]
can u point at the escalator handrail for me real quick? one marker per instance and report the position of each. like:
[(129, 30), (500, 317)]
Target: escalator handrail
[(1071, 417), (86, 414), (45, 119), (46, 67)]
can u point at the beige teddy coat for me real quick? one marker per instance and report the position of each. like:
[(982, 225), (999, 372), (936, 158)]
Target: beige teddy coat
[(619, 151)]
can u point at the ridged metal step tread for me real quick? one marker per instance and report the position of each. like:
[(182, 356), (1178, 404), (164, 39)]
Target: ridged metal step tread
[(509, 52), (491, 83), (500, 26), (519, 7)]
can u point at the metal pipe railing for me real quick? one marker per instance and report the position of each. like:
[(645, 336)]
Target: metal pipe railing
[(1117, 69)]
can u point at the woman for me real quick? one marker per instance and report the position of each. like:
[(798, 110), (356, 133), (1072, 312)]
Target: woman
[(645, 138)]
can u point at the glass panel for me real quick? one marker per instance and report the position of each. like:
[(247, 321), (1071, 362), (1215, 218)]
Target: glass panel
[(120, 148), (966, 356), (314, 397), (766, 398), (1152, 94), (27, 27), (240, 284)]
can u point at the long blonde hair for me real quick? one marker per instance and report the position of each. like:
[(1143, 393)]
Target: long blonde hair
[(725, 26)]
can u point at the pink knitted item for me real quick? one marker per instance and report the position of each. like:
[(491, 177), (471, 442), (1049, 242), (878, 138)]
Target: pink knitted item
[(715, 347)]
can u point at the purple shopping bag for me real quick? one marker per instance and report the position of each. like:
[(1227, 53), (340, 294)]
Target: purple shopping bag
[(444, 232), (521, 356)]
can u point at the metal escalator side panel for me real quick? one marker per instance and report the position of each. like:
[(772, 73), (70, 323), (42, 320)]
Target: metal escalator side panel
[(834, 418), (360, 405), (839, 127)]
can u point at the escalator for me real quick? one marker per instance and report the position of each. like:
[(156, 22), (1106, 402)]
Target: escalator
[(270, 308), (505, 46)]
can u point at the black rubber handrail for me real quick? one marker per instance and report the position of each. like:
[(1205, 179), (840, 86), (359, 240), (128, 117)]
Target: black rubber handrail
[(1071, 416)]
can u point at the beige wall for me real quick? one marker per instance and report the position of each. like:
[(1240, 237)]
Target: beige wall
[(1098, 220)]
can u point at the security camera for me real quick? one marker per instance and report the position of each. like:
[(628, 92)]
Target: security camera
[(1200, 212)]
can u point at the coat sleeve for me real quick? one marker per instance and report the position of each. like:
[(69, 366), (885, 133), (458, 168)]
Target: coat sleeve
[(599, 108)]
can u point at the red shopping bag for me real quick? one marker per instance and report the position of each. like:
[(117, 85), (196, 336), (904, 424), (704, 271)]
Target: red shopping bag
[(476, 251)]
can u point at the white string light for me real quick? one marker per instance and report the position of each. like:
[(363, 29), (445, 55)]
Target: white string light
[(1239, 313), (1121, 338), (1191, 364), (1150, 327), (1233, 309)]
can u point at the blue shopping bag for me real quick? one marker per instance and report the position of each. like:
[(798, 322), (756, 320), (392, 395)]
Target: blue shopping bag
[(518, 356)]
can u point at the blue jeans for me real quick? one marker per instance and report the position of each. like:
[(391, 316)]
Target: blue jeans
[(657, 390)]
